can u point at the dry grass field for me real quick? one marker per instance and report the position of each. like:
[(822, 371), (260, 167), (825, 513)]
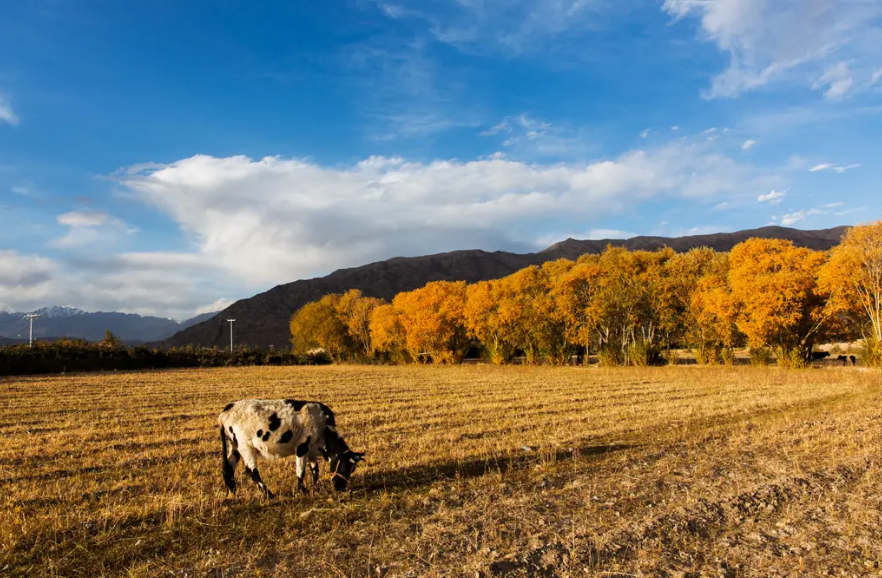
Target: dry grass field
[(472, 471)]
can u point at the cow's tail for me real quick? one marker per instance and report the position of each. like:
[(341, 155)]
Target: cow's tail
[(229, 473)]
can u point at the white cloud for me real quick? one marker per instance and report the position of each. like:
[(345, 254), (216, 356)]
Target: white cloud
[(644, 134), (839, 80), (275, 220), (7, 115), (527, 136), (603, 234), (773, 197), (748, 144), (840, 170), (218, 305), (87, 227), (405, 94), (795, 217), (509, 26), (788, 40), (836, 169), (163, 284)]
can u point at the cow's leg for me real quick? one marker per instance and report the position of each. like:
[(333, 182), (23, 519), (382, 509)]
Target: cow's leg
[(230, 454), (314, 468), (301, 469), (249, 456)]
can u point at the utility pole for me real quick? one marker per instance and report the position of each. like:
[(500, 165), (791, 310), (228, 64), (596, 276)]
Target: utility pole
[(30, 317), (231, 335)]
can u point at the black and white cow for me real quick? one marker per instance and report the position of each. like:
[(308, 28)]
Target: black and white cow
[(269, 429)]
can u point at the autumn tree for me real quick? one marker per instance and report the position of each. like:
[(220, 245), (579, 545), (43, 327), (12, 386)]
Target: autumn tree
[(486, 322), (355, 312), (853, 279), (433, 322), (319, 325), (387, 333), (712, 313), (774, 287)]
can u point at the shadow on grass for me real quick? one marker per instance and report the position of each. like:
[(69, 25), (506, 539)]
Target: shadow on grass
[(425, 475)]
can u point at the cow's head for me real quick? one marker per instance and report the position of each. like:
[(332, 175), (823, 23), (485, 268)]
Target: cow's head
[(342, 468)]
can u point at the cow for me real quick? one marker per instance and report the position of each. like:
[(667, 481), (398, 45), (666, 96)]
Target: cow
[(853, 359), (843, 359), (268, 429), (819, 355)]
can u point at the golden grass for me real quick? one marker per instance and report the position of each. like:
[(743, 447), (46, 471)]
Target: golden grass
[(475, 471)]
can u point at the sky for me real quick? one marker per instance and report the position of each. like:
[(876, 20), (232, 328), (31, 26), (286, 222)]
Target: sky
[(170, 157)]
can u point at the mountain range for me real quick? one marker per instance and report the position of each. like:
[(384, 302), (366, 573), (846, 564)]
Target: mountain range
[(262, 320), (66, 321)]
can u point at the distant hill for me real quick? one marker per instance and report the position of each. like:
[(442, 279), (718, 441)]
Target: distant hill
[(57, 322), (263, 319)]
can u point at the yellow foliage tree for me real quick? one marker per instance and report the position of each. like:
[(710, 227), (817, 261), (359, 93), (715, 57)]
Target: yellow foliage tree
[(853, 279), (712, 314), (318, 325), (387, 333), (485, 322), (433, 321), (355, 311), (774, 287)]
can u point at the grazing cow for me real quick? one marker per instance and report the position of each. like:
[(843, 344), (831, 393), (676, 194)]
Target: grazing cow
[(843, 359), (277, 428), (819, 355)]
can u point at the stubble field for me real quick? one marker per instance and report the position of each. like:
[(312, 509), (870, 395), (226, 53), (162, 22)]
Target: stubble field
[(472, 471)]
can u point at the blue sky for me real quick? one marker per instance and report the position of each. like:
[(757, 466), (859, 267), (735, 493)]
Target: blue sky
[(167, 157)]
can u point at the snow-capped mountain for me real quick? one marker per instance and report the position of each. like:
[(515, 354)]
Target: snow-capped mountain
[(68, 321), (58, 311)]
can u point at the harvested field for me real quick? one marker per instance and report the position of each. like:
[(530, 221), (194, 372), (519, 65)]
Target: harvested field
[(472, 471)]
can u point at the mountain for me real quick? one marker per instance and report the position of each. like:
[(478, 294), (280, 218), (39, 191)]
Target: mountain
[(56, 322), (263, 319)]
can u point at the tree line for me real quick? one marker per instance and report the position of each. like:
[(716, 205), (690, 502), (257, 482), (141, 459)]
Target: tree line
[(73, 355), (624, 307)]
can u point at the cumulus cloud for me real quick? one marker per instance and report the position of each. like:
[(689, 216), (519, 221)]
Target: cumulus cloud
[(773, 197), (776, 40), (274, 220), (7, 115)]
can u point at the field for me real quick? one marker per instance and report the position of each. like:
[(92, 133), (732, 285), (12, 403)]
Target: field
[(472, 471)]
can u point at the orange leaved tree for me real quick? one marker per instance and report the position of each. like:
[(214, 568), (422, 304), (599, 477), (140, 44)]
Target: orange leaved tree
[(433, 322), (318, 325), (487, 321), (853, 279), (774, 287), (387, 333), (712, 313), (355, 311)]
